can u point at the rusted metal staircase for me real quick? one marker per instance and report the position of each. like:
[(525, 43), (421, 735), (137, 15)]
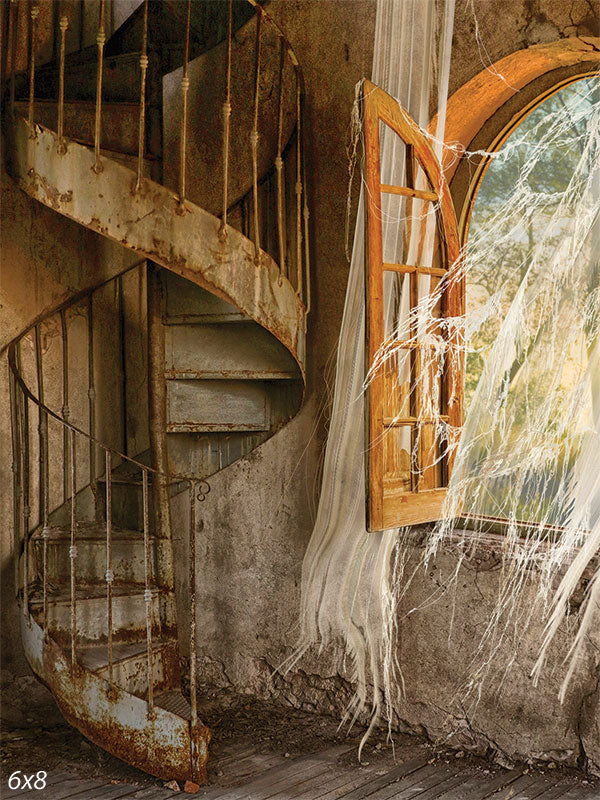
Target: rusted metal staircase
[(222, 332)]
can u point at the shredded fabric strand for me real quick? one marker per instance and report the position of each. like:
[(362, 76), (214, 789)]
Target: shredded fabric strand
[(528, 455)]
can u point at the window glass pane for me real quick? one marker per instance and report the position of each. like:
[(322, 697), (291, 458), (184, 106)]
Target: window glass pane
[(521, 219), (497, 277)]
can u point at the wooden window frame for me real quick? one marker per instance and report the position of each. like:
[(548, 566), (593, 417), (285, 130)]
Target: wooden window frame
[(389, 507)]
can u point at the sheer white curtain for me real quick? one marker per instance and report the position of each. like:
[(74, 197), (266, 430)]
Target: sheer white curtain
[(346, 592)]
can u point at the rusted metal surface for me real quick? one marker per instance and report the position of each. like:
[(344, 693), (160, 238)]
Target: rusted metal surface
[(100, 41), (192, 607), (131, 673), (147, 218), (129, 614), (128, 554), (148, 223), (72, 553), (243, 349), (160, 744), (217, 405)]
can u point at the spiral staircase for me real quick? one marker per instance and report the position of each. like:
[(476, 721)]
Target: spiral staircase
[(97, 572)]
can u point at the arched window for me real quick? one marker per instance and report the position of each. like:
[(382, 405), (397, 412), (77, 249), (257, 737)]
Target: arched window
[(407, 477)]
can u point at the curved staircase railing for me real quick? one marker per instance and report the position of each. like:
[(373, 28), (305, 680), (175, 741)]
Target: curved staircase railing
[(128, 724), (101, 632)]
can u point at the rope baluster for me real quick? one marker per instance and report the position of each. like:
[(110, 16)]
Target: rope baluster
[(109, 573), (185, 85), (142, 122), (15, 430), (35, 11), (299, 132), (91, 390), (254, 136), (226, 129), (73, 550), (24, 415), (147, 591), (65, 400), (192, 590), (44, 477), (13, 24), (61, 146), (281, 233), (100, 40)]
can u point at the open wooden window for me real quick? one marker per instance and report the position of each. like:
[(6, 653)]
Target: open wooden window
[(408, 457)]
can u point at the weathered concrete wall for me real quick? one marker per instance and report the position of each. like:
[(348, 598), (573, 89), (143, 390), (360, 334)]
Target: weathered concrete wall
[(258, 517)]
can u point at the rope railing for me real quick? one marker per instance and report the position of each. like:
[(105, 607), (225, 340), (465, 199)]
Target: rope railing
[(35, 11), (226, 127), (100, 40), (185, 85), (13, 23), (61, 147), (254, 136), (142, 121)]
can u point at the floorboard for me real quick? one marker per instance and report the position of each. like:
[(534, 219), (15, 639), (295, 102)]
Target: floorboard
[(243, 772), (395, 773)]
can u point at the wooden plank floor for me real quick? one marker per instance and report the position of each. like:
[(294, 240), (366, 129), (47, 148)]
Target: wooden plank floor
[(243, 772)]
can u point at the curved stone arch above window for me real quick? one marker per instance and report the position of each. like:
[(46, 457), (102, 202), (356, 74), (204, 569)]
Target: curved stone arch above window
[(484, 111)]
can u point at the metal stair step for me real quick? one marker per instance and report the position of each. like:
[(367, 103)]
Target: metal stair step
[(217, 405), (242, 351), (127, 552), (95, 656), (130, 664), (89, 531), (185, 304), (175, 702), (128, 612)]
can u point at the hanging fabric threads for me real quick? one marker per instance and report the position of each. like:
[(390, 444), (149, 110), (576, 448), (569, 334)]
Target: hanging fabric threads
[(346, 591), (529, 449)]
